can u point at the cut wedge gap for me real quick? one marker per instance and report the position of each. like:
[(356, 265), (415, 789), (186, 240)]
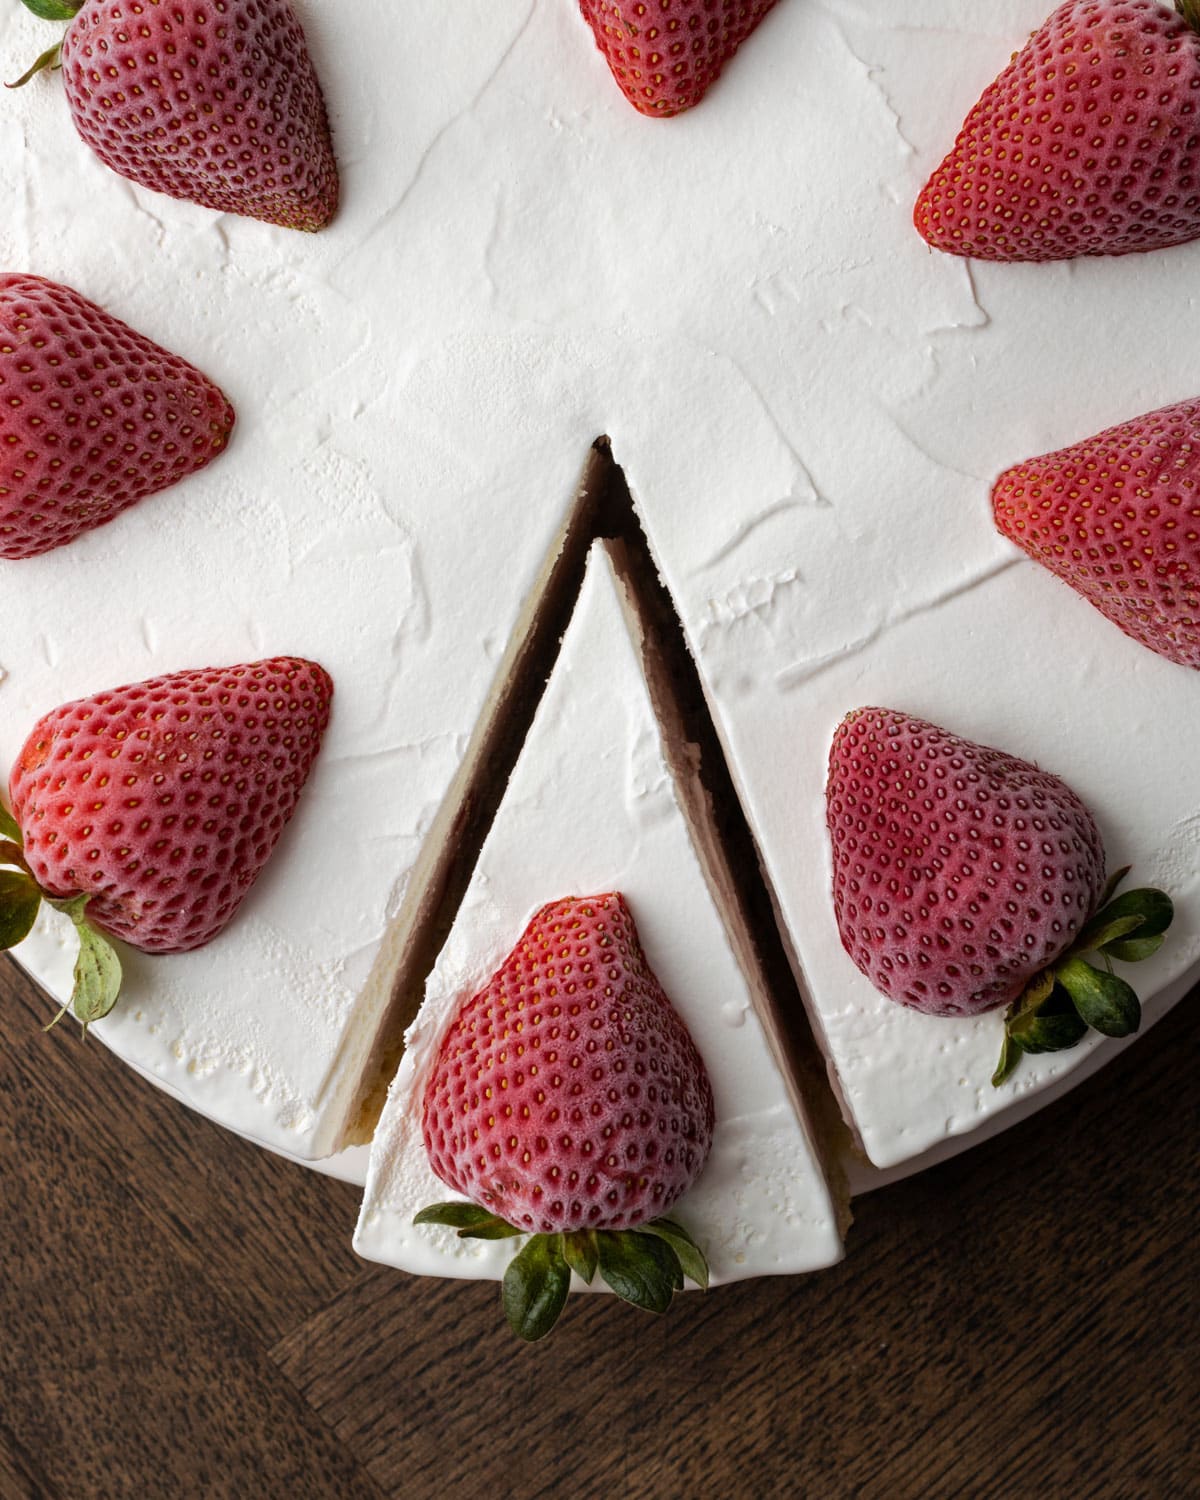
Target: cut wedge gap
[(724, 842), (392, 995)]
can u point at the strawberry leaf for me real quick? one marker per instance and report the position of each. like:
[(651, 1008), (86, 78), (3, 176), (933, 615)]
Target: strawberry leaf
[(1048, 1033), (47, 62), (495, 1229), (1010, 1056), (640, 1268), (1134, 950), (97, 977), (9, 827), (1111, 885), (12, 854), (690, 1256), (454, 1215), (1155, 908), (1104, 1002), (54, 10), (1146, 913), (471, 1221), (582, 1255), (1035, 994), (19, 903), (1104, 929), (536, 1286)]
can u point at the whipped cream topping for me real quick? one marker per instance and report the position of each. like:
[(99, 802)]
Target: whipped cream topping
[(809, 406), (592, 807)]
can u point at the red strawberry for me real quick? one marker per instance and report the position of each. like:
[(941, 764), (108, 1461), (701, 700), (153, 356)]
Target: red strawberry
[(215, 103), (667, 54), (965, 879), (93, 417), (567, 1101), (1087, 144), (149, 811), (1118, 518)]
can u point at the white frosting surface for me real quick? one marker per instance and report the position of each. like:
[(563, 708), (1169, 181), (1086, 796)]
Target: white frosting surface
[(808, 403), (592, 807)]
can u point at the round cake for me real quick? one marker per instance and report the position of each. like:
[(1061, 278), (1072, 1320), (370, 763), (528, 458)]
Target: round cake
[(809, 407)]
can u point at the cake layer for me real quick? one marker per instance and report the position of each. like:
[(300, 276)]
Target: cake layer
[(592, 806), (809, 406)]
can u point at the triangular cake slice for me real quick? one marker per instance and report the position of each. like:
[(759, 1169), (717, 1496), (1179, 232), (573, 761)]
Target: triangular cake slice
[(592, 805)]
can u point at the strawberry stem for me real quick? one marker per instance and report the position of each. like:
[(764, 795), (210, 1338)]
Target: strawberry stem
[(50, 1025), (644, 1266), (1061, 1004)]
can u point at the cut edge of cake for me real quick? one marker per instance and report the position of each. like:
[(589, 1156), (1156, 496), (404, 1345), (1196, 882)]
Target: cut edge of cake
[(389, 1001), (702, 784)]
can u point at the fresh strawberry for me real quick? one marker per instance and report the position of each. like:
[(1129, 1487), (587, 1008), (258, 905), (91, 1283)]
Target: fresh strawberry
[(667, 54), (218, 104), (1118, 518), (148, 812), (965, 879), (1087, 144), (567, 1102), (93, 416)]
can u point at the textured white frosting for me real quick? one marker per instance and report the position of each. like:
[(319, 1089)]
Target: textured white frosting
[(592, 807), (808, 403)]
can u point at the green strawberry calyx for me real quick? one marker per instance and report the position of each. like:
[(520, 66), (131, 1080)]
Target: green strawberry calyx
[(51, 59), (1062, 1003), (644, 1266), (97, 967), (1188, 9)]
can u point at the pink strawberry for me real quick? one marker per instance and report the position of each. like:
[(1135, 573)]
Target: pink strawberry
[(214, 103), (1087, 144), (1118, 518), (93, 416), (568, 1102), (667, 54), (959, 871), (965, 879), (148, 812)]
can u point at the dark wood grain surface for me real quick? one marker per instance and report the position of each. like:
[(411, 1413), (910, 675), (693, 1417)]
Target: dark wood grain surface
[(182, 1315)]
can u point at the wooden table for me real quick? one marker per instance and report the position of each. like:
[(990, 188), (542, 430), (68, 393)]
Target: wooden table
[(183, 1316)]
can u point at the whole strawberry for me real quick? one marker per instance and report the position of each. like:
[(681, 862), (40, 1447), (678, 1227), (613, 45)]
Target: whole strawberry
[(1118, 518), (667, 54), (93, 416), (965, 879), (1087, 144), (568, 1102), (148, 812), (217, 104)]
